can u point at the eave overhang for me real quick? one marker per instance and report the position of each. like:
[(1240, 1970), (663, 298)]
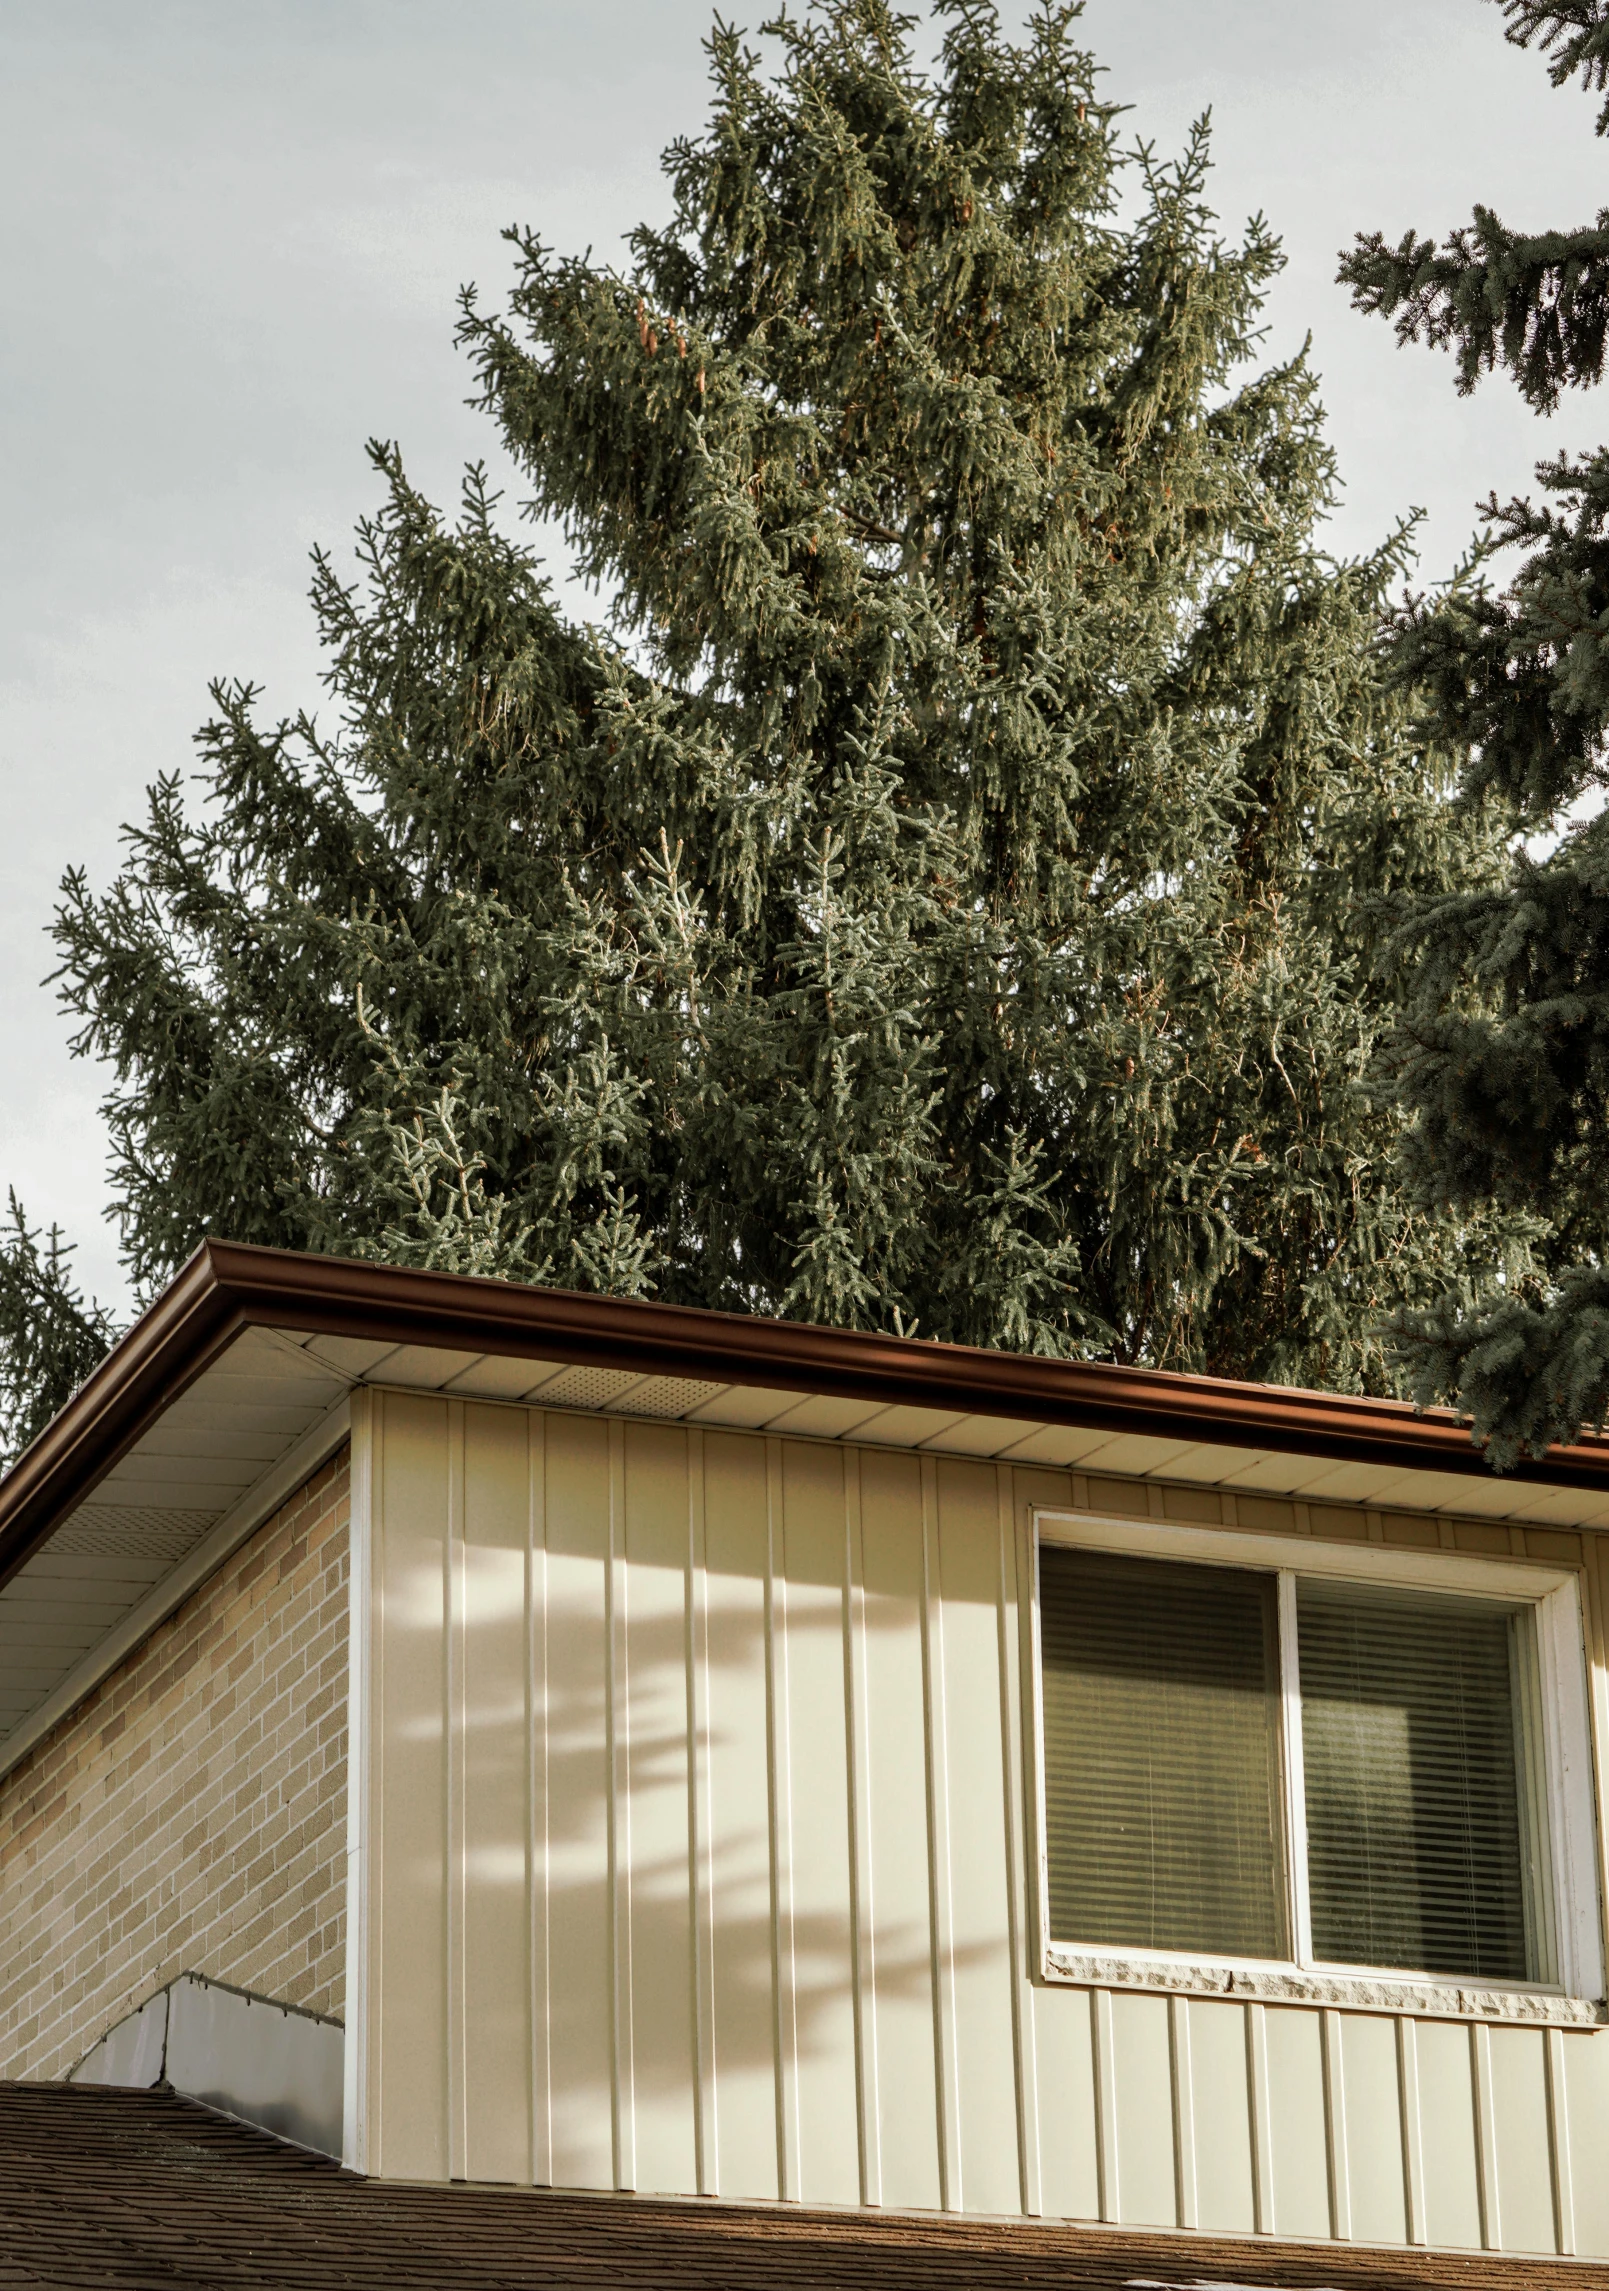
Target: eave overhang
[(196, 1425), (227, 1288)]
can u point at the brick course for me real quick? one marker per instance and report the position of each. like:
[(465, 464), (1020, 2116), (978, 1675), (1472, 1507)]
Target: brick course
[(190, 1814)]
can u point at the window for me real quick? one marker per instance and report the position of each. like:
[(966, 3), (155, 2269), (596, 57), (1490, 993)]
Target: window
[(1419, 1730), (1365, 1763), (1162, 1754)]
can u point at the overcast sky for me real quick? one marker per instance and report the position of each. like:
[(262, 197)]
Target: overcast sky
[(235, 235)]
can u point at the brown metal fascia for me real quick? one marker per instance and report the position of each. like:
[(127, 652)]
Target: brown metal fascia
[(336, 1296), (227, 1287)]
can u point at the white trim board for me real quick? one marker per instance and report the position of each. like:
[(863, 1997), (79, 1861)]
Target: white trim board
[(360, 1753), (1308, 1555)]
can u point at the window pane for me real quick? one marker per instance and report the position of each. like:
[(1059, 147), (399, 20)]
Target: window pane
[(1412, 1741), (1162, 1767)]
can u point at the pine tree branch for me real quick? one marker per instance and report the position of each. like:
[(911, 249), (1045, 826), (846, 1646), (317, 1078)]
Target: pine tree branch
[(1573, 33), (51, 1335), (1536, 306)]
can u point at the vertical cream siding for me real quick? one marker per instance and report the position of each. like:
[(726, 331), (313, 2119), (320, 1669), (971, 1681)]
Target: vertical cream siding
[(692, 1843)]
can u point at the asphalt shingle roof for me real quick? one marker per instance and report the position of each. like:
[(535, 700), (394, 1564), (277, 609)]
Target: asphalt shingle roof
[(143, 2191)]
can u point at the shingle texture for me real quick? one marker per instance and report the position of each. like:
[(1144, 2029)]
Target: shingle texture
[(126, 2189), (190, 1815)]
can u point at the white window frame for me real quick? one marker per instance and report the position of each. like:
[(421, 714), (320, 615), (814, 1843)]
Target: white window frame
[(1552, 1592)]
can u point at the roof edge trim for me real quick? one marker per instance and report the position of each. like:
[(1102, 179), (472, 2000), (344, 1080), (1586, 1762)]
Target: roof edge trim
[(227, 1287)]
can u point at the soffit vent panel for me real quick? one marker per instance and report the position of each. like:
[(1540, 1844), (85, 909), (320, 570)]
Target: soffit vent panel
[(589, 1387), (129, 1531), (667, 1396)]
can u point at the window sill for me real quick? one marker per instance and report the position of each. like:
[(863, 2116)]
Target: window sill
[(1355, 1992)]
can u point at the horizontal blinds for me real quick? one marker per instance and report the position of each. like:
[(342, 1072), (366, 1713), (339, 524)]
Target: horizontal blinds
[(1413, 1756), (1162, 1767)]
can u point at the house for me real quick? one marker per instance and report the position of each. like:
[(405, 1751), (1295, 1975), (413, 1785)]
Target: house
[(501, 1736)]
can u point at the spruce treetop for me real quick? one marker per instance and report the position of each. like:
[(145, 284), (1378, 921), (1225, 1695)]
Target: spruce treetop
[(939, 897)]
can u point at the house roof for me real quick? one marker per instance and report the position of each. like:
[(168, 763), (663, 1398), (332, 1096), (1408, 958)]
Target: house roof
[(119, 2190), (232, 1388)]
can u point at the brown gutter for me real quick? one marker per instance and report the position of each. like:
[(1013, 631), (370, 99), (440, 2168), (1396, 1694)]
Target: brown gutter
[(226, 1288)]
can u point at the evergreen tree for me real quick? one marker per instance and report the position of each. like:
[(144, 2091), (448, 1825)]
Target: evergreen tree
[(54, 1334), (1502, 1060), (938, 900)]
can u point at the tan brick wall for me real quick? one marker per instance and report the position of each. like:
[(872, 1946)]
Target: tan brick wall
[(190, 1816)]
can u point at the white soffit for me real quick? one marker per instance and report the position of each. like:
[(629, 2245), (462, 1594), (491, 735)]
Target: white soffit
[(819, 1416), (1131, 1455), (243, 1436), (824, 1416)]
